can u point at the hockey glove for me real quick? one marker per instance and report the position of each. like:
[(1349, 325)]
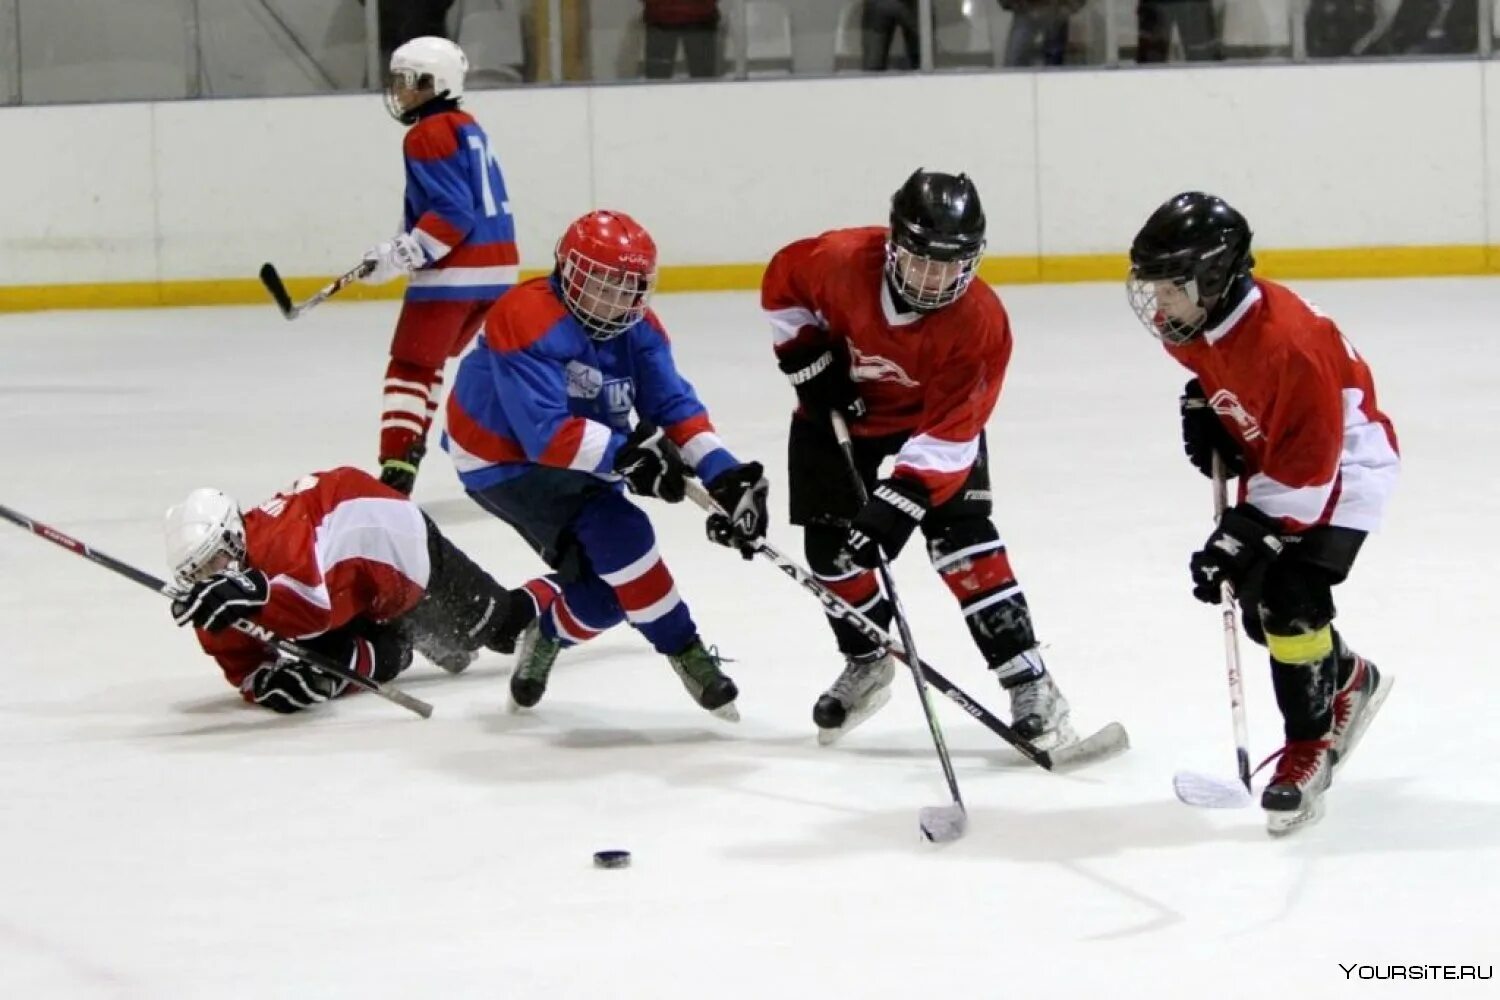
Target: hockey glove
[(287, 685), (1244, 540), (886, 521), (216, 603), (820, 375), (1203, 433), (393, 258), (741, 494), (651, 464)]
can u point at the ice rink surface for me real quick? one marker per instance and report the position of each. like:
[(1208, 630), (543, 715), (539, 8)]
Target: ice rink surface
[(158, 838)]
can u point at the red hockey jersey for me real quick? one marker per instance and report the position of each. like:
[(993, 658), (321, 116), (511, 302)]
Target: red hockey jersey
[(1301, 402), (933, 375), (335, 546)]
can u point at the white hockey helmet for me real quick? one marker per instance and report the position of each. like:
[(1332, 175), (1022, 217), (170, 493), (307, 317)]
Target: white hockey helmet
[(205, 525), (430, 57)]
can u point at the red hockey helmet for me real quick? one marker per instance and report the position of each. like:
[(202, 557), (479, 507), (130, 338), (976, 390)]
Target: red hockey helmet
[(606, 265)]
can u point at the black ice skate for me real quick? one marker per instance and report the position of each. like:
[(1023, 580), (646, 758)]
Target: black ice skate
[(858, 693), (711, 688), (1355, 706), (528, 682), (1294, 798)]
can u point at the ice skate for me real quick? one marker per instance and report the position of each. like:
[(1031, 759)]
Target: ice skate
[(528, 682), (858, 693), (1039, 713), (1355, 706), (711, 688), (1294, 798)]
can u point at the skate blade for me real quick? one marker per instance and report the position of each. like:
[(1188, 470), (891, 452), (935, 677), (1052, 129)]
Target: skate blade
[(943, 824), (1110, 741), (1208, 792), (728, 712), (874, 703), (515, 707), (1280, 824)]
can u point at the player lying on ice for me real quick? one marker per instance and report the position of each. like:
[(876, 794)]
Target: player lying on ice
[(887, 326), (539, 429), (345, 566), (1289, 406)]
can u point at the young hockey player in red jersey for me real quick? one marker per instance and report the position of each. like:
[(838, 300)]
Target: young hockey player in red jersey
[(1289, 406), (539, 427), (888, 327), (343, 565), (457, 245)]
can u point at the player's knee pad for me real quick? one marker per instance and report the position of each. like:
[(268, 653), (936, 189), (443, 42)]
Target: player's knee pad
[(1296, 612), (463, 602)]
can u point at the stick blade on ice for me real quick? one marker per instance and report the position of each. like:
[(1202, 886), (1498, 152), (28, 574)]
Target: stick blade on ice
[(1209, 792), (943, 824)]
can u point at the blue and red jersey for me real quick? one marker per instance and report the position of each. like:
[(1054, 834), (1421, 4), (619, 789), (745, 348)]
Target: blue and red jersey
[(538, 390), (458, 211)]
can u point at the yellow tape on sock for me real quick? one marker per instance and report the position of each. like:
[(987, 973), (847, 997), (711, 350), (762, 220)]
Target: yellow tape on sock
[(1310, 647)]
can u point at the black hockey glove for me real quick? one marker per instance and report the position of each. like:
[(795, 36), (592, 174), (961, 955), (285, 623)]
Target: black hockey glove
[(289, 685), (216, 603), (886, 521), (1203, 433), (651, 464), (741, 494), (820, 375), (1244, 540)]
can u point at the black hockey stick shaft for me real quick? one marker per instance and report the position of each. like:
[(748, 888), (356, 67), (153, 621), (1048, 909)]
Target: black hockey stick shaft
[(271, 278), (836, 606), (386, 691), (1232, 640), (841, 431)]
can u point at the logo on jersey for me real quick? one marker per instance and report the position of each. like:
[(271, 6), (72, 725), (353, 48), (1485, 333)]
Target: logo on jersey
[(584, 381), (873, 368), (619, 396), (1227, 404)]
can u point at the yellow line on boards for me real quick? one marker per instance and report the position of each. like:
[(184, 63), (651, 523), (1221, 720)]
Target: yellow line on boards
[(1346, 262)]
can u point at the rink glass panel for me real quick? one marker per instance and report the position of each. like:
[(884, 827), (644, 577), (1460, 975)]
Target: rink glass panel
[(67, 51)]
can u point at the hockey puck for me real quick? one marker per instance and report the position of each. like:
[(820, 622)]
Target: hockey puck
[(611, 859)]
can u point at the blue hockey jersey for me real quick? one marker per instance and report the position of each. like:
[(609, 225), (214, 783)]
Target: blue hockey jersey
[(537, 390)]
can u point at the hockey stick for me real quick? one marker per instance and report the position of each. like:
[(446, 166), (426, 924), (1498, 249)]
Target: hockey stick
[(272, 280), (386, 691), (939, 823), (1106, 742), (1200, 789)]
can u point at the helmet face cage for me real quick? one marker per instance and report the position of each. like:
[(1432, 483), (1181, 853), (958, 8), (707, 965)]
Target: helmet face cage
[(606, 299), (227, 540), (1166, 305), (205, 534), (927, 282), (405, 80)]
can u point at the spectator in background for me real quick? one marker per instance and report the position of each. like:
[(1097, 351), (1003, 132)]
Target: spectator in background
[(403, 20), (1340, 27), (1038, 27), (878, 23), (1432, 28), (1194, 20), (694, 23)]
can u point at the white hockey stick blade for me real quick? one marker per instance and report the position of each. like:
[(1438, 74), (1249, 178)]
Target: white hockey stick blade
[(1108, 742), (872, 704), (943, 824), (1208, 792)]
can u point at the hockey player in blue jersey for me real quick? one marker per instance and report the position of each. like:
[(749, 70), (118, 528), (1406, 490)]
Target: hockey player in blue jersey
[(539, 428), (457, 245)]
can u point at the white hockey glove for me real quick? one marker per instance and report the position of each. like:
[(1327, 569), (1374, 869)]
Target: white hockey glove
[(393, 258)]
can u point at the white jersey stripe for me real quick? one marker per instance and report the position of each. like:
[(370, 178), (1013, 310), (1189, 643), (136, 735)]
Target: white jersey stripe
[(591, 449), (786, 322), (699, 446), (465, 277), (929, 454)]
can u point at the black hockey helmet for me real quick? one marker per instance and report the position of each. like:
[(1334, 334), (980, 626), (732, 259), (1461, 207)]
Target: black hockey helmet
[(1196, 243), (936, 238)]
